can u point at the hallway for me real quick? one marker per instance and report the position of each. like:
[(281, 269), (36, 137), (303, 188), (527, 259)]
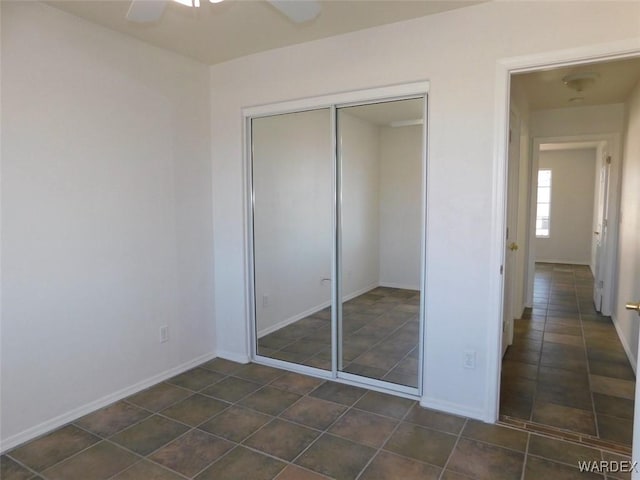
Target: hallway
[(567, 368)]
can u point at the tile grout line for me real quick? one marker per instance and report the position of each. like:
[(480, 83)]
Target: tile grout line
[(401, 301), (526, 456), (384, 443), (407, 355), (145, 459), (274, 417), (326, 430), (235, 445), (539, 362), (587, 361), (385, 338), (100, 439), (23, 465), (455, 445), (152, 413)]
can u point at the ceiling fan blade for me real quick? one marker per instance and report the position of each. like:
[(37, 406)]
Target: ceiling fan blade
[(143, 11), (298, 11)]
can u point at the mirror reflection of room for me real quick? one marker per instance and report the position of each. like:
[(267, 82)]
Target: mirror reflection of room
[(380, 150), (380, 200), (293, 217)]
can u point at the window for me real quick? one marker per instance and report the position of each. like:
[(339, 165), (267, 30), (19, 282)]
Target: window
[(544, 203)]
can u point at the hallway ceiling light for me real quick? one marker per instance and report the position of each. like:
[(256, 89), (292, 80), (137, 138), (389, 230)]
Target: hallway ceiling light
[(149, 11), (194, 3), (580, 81)]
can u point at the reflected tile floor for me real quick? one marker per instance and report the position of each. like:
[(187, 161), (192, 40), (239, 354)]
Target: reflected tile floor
[(566, 367), (380, 331), (223, 420)]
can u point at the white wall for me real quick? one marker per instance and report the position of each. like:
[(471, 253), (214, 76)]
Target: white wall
[(106, 217), (292, 171), (461, 186), (359, 147), (400, 206), (381, 205), (629, 237), (590, 120), (571, 216)]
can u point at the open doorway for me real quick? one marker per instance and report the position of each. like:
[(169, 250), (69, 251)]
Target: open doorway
[(569, 360)]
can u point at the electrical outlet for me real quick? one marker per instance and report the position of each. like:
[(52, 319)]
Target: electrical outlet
[(469, 359), (164, 334), (265, 300)]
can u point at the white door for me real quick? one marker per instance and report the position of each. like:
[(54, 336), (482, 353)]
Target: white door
[(600, 229), (634, 304), (511, 243)]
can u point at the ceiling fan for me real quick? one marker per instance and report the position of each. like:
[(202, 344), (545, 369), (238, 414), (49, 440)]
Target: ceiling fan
[(147, 11)]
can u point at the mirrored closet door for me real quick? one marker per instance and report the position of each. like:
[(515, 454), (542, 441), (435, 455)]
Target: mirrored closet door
[(337, 240), (292, 236), (380, 156)]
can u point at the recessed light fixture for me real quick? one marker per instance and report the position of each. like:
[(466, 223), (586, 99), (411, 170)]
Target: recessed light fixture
[(194, 3), (580, 81)]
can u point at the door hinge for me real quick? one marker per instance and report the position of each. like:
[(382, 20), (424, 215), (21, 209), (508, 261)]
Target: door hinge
[(510, 135), (608, 160), (501, 269), (601, 284), (507, 237)]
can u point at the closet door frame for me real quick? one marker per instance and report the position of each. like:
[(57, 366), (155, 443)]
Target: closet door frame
[(333, 102)]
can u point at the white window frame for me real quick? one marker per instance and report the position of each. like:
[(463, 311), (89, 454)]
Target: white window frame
[(538, 203)]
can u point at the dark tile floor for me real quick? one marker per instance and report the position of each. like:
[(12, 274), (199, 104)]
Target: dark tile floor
[(380, 333), (224, 420), (566, 367)]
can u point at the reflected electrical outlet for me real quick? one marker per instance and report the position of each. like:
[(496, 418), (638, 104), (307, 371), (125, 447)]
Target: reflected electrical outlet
[(164, 334), (469, 359)]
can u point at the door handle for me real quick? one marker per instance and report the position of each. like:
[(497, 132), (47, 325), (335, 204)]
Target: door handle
[(513, 246), (633, 306), (596, 233)]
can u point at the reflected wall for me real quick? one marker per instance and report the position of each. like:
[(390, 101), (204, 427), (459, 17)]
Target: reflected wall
[(293, 189), (380, 157), (355, 208)]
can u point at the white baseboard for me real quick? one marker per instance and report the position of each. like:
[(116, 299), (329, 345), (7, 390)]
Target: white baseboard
[(566, 262), (295, 318), (362, 291), (403, 286), (453, 408), (234, 357), (625, 345), (65, 418), (312, 310)]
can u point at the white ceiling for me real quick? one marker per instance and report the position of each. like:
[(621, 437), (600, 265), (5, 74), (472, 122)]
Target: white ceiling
[(549, 147), (389, 113), (215, 33), (544, 89)]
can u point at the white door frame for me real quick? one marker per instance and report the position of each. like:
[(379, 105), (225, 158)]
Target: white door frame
[(504, 69), (331, 101), (511, 301)]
